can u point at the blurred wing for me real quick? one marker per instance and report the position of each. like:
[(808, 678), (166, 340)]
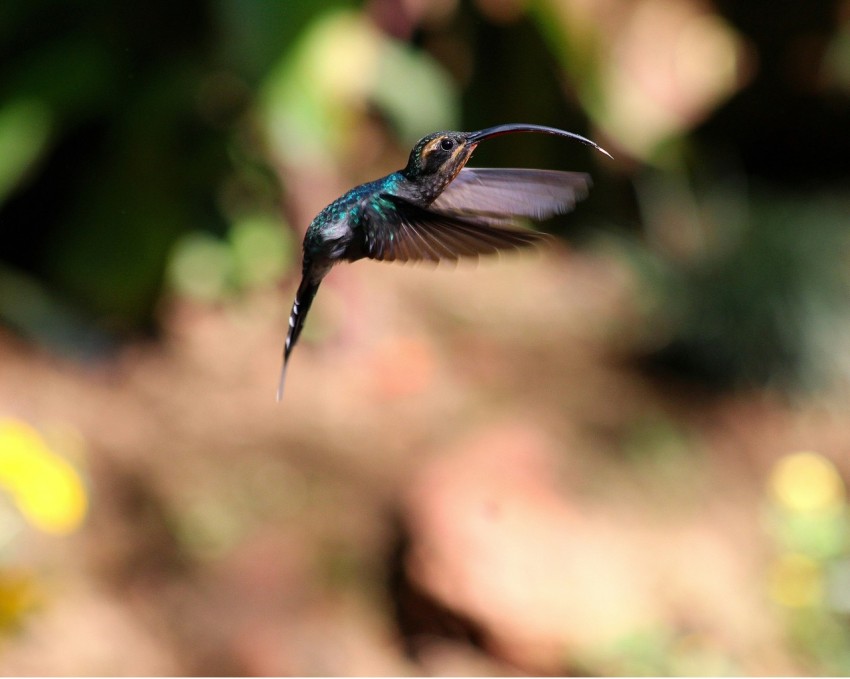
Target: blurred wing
[(421, 234), (501, 194)]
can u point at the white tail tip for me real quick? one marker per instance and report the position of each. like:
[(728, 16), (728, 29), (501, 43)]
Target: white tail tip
[(280, 382)]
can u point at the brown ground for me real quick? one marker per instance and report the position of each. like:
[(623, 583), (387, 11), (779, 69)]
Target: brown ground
[(461, 479)]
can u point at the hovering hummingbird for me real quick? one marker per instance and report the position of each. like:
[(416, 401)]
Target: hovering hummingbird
[(434, 209)]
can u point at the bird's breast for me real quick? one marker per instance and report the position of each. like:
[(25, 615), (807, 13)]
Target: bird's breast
[(328, 239)]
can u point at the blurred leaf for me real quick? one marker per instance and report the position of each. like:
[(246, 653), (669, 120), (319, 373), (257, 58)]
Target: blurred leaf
[(201, 267), (310, 97), (256, 34), (818, 536), (823, 638), (24, 133), (646, 71), (414, 92), (257, 252), (766, 307), (341, 66), (263, 249)]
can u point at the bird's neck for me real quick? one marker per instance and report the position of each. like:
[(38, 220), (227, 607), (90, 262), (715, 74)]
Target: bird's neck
[(421, 190)]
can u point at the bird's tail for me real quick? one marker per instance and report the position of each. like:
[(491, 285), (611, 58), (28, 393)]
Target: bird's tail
[(303, 299)]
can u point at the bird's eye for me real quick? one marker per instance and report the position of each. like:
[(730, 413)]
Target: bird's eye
[(447, 144)]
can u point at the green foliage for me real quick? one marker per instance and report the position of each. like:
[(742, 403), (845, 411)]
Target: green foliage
[(763, 300), (131, 133), (24, 133), (256, 253)]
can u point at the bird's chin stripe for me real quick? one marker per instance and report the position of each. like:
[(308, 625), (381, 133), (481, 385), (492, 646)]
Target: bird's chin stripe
[(461, 149)]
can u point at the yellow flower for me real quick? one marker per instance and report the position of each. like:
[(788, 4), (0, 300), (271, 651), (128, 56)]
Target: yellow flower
[(47, 490)]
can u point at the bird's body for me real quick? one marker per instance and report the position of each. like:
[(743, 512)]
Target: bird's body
[(434, 209)]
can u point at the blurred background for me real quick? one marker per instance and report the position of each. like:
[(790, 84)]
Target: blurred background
[(626, 454)]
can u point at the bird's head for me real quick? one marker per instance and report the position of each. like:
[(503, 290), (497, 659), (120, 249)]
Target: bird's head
[(440, 156), (437, 158)]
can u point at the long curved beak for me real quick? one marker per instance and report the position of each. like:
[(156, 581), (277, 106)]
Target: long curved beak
[(511, 128)]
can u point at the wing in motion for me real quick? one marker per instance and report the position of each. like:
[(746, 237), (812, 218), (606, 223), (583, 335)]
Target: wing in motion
[(504, 194), (422, 234), (476, 215)]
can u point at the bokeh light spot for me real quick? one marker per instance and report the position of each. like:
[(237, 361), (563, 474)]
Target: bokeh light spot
[(19, 594), (795, 581), (261, 250), (201, 266), (807, 482)]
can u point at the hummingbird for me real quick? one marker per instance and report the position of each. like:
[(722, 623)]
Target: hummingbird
[(434, 209)]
